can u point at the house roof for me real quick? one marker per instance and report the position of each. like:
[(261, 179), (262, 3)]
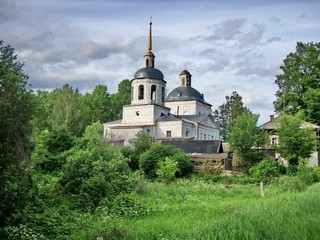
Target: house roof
[(273, 124)]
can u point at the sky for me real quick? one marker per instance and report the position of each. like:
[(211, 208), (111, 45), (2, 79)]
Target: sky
[(227, 46)]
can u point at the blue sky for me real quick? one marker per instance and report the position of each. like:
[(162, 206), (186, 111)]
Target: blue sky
[(226, 45)]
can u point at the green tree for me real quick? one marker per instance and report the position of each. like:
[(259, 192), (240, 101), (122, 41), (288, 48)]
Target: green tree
[(228, 112), (67, 109), (246, 138), (98, 104), (122, 97), (299, 84), (294, 142), (16, 107), (50, 148)]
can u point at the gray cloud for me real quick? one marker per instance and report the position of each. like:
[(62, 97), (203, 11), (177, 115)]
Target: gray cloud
[(227, 30)]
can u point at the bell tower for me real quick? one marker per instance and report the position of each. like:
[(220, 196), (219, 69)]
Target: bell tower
[(149, 56)]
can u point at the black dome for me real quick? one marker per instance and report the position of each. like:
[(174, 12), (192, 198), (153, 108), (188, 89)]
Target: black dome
[(149, 72), (185, 93)]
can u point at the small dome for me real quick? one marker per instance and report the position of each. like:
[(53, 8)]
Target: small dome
[(185, 72), (185, 93), (149, 72)]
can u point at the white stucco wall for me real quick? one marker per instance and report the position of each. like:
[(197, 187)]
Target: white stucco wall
[(188, 107)]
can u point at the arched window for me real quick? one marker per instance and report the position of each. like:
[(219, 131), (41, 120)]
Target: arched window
[(163, 94), (153, 92), (132, 93), (141, 92)]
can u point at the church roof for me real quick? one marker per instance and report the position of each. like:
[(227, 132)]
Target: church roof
[(149, 72), (185, 72), (192, 118), (185, 93)]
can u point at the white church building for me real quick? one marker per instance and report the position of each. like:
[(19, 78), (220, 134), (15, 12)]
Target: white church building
[(182, 114)]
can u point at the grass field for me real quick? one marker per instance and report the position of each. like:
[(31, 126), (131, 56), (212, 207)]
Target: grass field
[(194, 209)]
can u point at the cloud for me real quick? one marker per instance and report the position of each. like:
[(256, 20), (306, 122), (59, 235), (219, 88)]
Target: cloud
[(227, 30)]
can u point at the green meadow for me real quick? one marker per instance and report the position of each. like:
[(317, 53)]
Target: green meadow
[(196, 209)]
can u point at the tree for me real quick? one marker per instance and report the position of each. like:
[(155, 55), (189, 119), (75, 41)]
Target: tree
[(16, 107), (246, 138), (122, 97), (228, 112), (67, 109), (295, 143), (299, 84), (98, 104)]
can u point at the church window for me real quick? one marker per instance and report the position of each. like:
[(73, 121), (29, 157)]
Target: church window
[(205, 137), (168, 133), (187, 133), (163, 93), (153, 92), (147, 62), (132, 93), (141, 92), (183, 81)]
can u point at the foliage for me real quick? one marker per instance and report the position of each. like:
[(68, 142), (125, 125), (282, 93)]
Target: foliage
[(16, 107), (226, 114), (51, 146), (142, 142), (291, 184), (167, 170), (316, 174), (133, 157), (95, 171), (67, 109), (295, 142), (98, 104), (266, 170), (127, 205), (22, 232), (122, 97), (299, 83), (149, 160), (245, 139)]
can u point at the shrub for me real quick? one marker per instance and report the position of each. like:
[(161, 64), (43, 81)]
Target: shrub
[(95, 171), (133, 157), (167, 170), (22, 232), (316, 174), (265, 170), (149, 160), (291, 184), (127, 205)]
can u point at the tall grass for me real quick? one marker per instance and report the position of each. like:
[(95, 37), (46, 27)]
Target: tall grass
[(199, 210)]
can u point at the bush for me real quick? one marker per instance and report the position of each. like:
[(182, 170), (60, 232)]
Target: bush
[(95, 171), (291, 184), (266, 170), (316, 174), (127, 205), (149, 160), (167, 170), (133, 157)]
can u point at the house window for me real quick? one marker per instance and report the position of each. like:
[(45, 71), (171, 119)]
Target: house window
[(153, 92), (168, 133), (274, 141), (141, 92), (148, 131)]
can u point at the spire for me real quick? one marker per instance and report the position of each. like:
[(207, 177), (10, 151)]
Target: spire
[(150, 36), (149, 56)]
